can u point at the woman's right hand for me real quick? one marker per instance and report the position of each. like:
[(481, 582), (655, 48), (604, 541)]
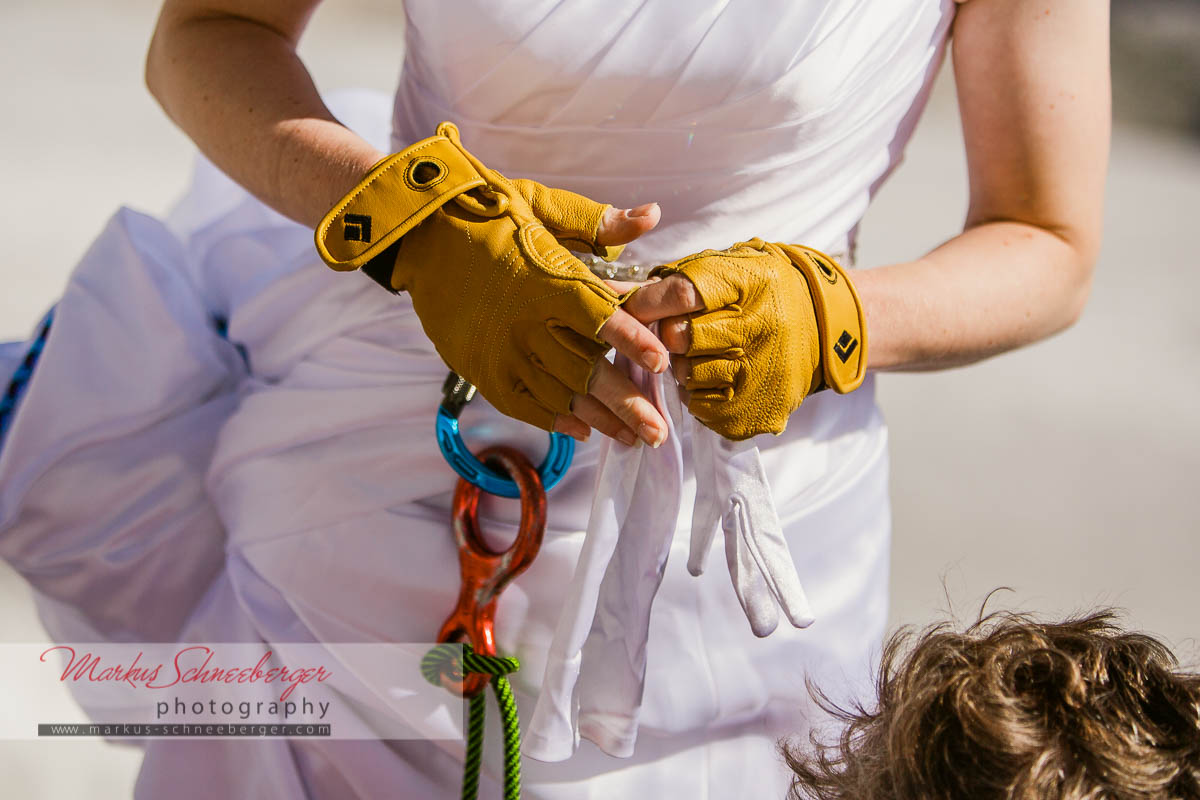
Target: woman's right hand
[(613, 404), (226, 71), (506, 305)]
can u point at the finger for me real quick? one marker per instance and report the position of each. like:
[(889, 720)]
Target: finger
[(676, 334), (775, 560), (757, 528), (595, 414), (725, 331), (670, 297), (635, 341), (711, 386), (706, 511), (573, 217), (623, 225), (563, 352), (713, 375), (572, 426), (545, 389), (749, 582), (621, 287), (681, 368), (566, 214), (613, 388)]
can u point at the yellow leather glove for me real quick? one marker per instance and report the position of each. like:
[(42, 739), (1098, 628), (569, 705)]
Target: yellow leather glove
[(482, 256), (780, 322)]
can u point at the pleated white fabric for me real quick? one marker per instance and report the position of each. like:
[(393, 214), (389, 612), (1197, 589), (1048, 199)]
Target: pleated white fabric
[(163, 481)]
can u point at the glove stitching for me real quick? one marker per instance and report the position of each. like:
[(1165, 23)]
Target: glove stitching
[(474, 354), (503, 337), (774, 358), (520, 389), (462, 297), (817, 300), (540, 365), (543, 298), (561, 256)]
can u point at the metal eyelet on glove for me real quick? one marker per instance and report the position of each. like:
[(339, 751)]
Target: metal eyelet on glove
[(425, 172), (456, 393)]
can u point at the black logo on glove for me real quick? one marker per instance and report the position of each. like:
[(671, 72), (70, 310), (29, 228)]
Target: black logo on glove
[(845, 346), (358, 228)]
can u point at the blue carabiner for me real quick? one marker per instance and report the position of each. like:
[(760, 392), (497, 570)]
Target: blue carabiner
[(456, 393)]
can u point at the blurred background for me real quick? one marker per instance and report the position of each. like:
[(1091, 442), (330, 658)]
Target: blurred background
[(1067, 471)]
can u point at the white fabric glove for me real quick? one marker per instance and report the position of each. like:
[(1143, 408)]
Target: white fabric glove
[(732, 493), (596, 666)]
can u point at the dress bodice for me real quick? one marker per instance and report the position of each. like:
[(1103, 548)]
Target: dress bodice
[(770, 118)]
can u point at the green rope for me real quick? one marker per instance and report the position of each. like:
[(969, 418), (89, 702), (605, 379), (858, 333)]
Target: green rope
[(443, 660)]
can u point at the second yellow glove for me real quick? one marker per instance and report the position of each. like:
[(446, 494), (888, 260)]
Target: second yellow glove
[(506, 305), (780, 322)]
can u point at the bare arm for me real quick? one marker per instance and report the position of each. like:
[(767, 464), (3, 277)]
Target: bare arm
[(226, 71), (1033, 87)]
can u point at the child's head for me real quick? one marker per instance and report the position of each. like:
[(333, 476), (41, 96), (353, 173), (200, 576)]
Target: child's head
[(1017, 709)]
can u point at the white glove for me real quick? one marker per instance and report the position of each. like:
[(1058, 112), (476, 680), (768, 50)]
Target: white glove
[(596, 666), (732, 492)]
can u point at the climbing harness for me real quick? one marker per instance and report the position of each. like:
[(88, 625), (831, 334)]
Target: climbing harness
[(485, 573)]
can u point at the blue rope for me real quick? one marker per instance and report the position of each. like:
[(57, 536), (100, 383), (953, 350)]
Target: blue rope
[(24, 372)]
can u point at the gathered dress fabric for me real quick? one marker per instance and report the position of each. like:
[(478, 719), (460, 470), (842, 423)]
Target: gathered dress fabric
[(225, 441)]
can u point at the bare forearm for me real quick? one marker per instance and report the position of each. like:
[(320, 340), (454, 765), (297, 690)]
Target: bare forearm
[(238, 89), (996, 287), (1033, 92)]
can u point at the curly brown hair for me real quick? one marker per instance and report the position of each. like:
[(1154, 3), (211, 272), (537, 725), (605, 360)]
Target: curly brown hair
[(1014, 709)]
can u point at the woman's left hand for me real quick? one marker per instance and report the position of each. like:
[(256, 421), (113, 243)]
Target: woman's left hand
[(755, 329)]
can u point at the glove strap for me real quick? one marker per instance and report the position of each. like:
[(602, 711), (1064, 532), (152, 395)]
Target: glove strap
[(840, 318), (399, 193)]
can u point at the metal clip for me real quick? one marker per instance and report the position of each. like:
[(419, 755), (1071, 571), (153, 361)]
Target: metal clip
[(485, 572), (456, 393)]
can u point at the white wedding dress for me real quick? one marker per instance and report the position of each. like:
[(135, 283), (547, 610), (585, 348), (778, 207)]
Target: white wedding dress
[(161, 480)]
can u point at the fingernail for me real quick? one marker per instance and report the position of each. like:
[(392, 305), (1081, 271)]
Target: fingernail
[(651, 435), (640, 211), (655, 361), (627, 438), (581, 437)]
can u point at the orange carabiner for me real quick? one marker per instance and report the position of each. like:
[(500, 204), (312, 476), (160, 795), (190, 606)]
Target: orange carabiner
[(485, 572)]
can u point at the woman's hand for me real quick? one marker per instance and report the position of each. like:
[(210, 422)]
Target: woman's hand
[(755, 329), (613, 404), (508, 308), (227, 72)]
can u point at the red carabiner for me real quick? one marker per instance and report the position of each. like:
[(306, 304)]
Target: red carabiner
[(486, 572)]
